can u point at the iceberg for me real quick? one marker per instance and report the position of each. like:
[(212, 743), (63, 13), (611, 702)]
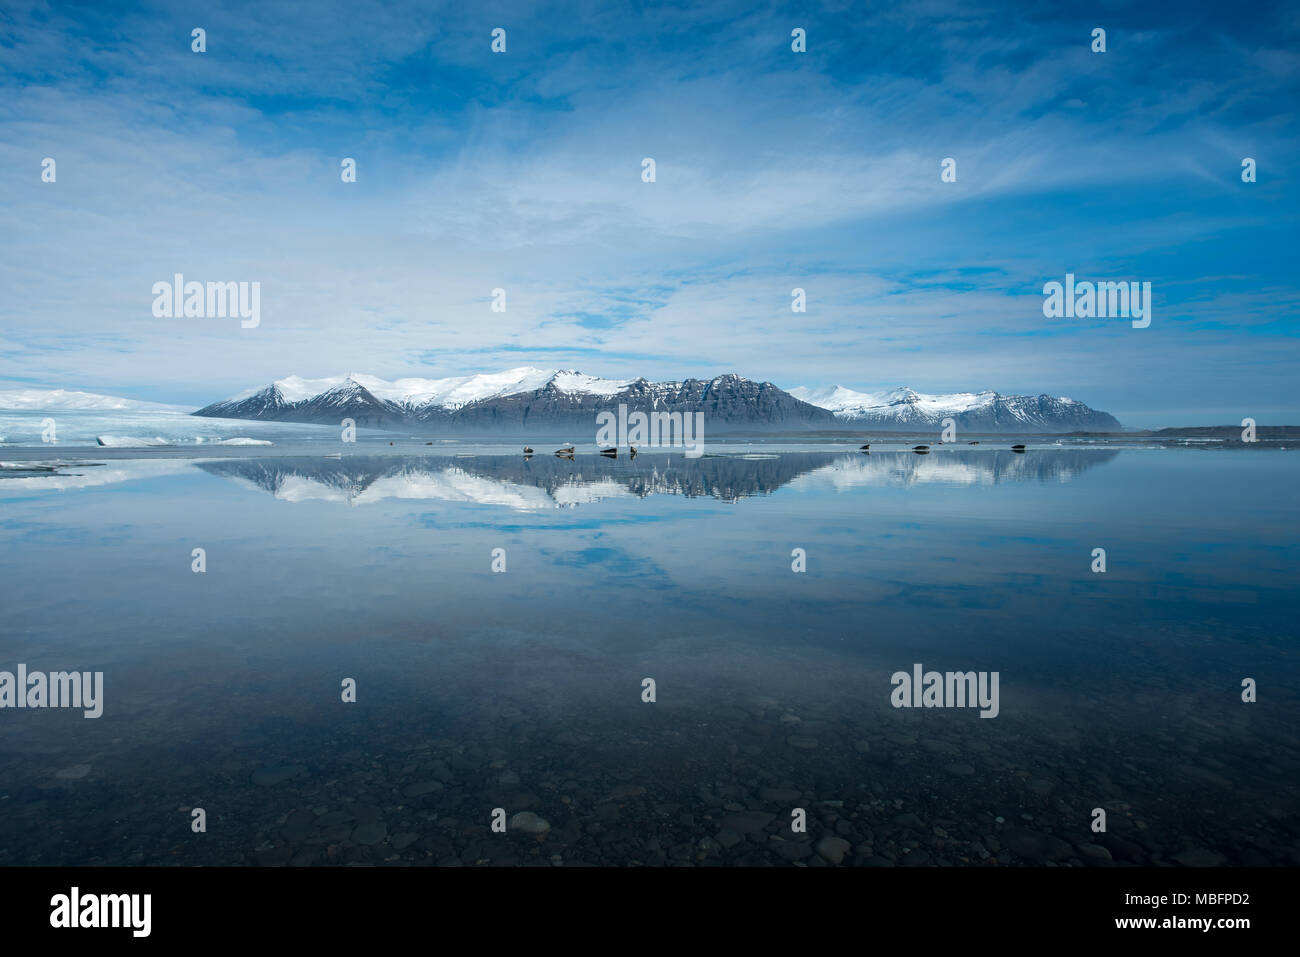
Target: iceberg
[(129, 442)]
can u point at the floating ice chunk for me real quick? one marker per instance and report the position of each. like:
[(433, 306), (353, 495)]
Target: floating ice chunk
[(129, 441)]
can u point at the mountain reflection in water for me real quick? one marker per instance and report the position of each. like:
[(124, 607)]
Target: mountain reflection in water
[(548, 482)]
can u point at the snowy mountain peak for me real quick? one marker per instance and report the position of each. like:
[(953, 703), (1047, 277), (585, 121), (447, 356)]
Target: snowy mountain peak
[(411, 394), (987, 410)]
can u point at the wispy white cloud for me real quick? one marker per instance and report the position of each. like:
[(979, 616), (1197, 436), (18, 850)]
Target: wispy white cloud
[(523, 172)]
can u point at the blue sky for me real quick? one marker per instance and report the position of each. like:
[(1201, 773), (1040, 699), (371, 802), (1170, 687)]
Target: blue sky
[(522, 170)]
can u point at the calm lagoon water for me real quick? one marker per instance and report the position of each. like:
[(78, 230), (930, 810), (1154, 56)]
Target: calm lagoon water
[(522, 690)]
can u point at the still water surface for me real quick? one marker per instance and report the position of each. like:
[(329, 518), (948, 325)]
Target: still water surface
[(522, 689)]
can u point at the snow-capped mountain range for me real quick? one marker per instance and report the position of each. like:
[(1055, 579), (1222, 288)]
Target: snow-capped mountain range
[(522, 400), (528, 400), (449, 394), (971, 411)]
